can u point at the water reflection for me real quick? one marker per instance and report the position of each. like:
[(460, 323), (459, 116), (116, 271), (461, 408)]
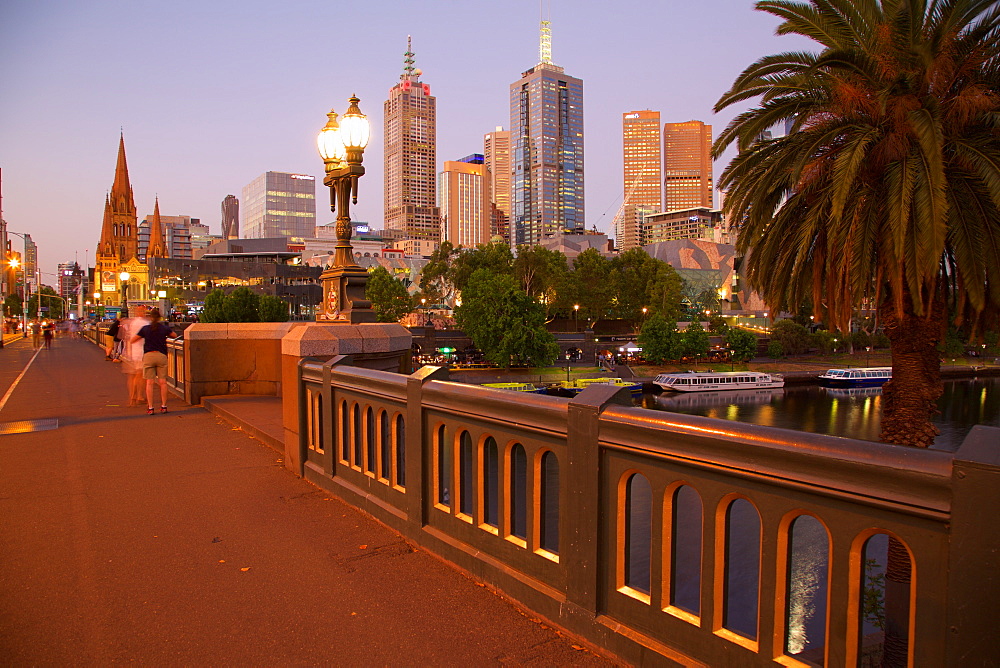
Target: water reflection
[(849, 412)]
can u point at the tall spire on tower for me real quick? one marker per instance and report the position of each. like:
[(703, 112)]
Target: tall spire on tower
[(408, 60), (121, 190), (157, 246), (545, 43)]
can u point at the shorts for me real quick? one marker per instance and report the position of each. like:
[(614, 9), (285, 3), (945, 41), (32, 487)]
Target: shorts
[(154, 365)]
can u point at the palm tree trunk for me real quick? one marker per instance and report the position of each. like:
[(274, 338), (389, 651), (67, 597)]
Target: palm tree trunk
[(908, 402), (910, 398)]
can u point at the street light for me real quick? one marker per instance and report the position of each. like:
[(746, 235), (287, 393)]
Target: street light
[(342, 145), (576, 317), (123, 279)]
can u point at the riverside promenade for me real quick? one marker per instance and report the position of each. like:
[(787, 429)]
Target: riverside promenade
[(180, 539)]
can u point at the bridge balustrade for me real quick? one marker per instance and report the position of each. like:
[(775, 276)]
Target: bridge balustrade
[(667, 537)]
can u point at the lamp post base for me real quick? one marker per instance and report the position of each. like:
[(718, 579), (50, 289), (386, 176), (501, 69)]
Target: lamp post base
[(344, 296)]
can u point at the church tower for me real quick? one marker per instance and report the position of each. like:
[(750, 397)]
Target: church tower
[(119, 235), (157, 245)]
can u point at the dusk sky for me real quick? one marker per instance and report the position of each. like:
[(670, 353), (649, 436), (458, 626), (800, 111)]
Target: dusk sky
[(211, 94)]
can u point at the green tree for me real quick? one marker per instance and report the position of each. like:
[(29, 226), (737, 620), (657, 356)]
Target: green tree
[(213, 311), (775, 350), (504, 322), (886, 190), (388, 296), (695, 341), (12, 305), (241, 305), (436, 279), (794, 337), (539, 270), (496, 258), (50, 300), (271, 308), (588, 286), (636, 282), (659, 339), (665, 293), (742, 344)]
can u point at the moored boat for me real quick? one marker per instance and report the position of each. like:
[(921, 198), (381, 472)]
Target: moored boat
[(713, 381), (574, 387), (873, 376), (516, 387)]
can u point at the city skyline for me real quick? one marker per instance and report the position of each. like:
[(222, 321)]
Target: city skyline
[(241, 89)]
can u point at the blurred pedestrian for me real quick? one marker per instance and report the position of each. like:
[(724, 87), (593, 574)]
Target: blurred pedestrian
[(132, 353), (36, 334), (113, 352), (154, 359), (48, 331)]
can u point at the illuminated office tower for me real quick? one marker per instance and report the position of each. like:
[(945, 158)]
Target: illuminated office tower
[(687, 165), (230, 217), (642, 176), (546, 137), (410, 155), (279, 204), (465, 203), (496, 156)]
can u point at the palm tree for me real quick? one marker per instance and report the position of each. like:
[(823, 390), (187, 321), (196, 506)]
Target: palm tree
[(885, 192)]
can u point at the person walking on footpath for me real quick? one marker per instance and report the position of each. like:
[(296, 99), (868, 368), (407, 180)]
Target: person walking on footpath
[(154, 357), (48, 333), (132, 353), (113, 352), (36, 334)]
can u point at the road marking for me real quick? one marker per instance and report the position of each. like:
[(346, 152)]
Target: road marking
[(3, 402)]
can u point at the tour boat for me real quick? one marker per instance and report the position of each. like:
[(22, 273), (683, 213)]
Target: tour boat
[(516, 387), (712, 381), (578, 385), (860, 377)]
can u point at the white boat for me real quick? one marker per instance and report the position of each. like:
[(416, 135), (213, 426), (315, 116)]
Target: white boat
[(872, 376), (713, 381)]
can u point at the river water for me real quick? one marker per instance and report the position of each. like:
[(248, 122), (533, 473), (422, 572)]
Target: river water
[(853, 413)]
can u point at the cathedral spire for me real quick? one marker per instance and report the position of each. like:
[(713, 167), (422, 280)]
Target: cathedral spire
[(157, 246), (121, 191)]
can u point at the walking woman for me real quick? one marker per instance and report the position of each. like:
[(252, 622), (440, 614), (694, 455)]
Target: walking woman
[(154, 357)]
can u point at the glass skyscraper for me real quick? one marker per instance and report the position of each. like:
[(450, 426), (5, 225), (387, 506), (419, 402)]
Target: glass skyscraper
[(279, 204), (546, 151)]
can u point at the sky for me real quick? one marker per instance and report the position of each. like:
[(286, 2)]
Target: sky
[(212, 93)]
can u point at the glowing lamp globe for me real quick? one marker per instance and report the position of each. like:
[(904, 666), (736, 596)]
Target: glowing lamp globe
[(329, 142), (354, 127)]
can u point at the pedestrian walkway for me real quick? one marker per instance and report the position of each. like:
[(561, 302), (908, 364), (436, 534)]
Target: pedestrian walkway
[(179, 539)]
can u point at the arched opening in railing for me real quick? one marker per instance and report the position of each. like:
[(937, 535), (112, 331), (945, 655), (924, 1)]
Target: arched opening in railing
[(685, 545), (345, 433), (442, 453), (806, 587), (466, 488), (741, 596), (885, 614), (636, 538), (518, 490), (491, 482), (314, 420), (384, 446), (548, 506), (370, 441), (400, 451), (356, 414)]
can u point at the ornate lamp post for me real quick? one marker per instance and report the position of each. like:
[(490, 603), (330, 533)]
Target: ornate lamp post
[(342, 145), (123, 279)]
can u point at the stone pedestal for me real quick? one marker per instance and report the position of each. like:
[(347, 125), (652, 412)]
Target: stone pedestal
[(382, 346)]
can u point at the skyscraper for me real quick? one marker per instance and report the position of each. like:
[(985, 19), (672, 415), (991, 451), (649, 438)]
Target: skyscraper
[(642, 176), (410, 156), (279, 204), (546, 121), (230, 217), (687, 165), (465, 203), (496, 155)]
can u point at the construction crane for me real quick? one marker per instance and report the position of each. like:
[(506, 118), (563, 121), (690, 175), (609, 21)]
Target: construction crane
[(618, 222)]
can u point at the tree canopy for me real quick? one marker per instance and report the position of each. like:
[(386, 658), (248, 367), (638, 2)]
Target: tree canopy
[(389, 297)]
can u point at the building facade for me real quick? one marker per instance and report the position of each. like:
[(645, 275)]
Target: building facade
[(465, 203), (642, 175), (693, 223), (230, 217), (279, 204), (410, 155), (119, 232), (546, 145), (72, 280), (687, 165), (496, 157)]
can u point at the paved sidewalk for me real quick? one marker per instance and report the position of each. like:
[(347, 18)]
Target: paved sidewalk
[(179, 540)]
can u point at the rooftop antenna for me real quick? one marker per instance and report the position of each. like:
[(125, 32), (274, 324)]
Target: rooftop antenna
[(408, 60), (545, 38)]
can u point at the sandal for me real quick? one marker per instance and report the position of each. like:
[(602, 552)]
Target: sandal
[(163, 409), (149, 411)]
